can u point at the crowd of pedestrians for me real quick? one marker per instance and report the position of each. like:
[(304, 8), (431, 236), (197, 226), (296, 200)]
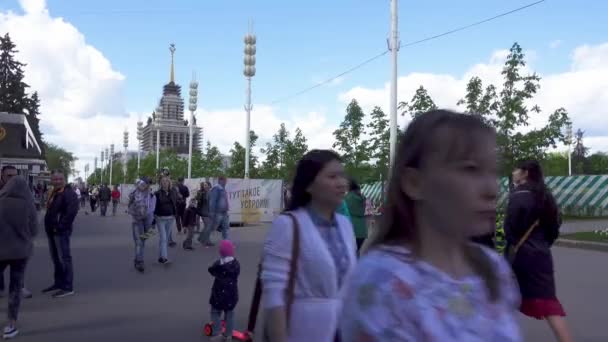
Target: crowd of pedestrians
[(426, 272)]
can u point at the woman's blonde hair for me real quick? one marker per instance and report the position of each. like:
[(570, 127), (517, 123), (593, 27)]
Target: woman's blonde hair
[(398, 223), (167, 179)]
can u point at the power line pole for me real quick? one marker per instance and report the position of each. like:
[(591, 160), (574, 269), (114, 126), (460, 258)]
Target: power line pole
[(393, 46)]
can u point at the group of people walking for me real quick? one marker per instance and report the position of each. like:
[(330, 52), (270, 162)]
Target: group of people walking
[(99, 196), (421, 275), (166, 206)]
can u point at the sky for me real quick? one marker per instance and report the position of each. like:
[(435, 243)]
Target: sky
[(99, 66)]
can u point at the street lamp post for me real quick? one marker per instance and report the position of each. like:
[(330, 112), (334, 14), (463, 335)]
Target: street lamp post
[(157, 124), (249, 72), (192, 107), (394, 48), (139, 139), (95, 165), (125, 144), (101, 173), (569, 137), (111, 161)]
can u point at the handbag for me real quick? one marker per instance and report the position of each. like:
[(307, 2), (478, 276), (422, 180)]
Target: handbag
[(512, 250), (289, 291)]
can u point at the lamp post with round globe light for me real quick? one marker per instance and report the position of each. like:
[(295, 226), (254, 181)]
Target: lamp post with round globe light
[(111, 161), (125, 144), (101, 173), (139, 139), (192, 107), (249, 72)]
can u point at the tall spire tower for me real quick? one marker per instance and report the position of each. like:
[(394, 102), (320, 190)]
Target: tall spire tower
[(172, 49)]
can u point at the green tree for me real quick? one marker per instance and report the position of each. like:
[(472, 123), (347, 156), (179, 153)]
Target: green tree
[(237, 159), (33, 111), (211, 163), (420, 103), (378, 143), (555, 164), (58, 158), (296, 148), (349, 139), (508, 112), (598, 163), (276, 163), (13, 98)]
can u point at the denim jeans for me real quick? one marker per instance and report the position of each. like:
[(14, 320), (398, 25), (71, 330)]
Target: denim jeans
[(114, 207), (59, 245), (205, 236), (139, 227), (103, 207), (164, 225), (17, 274), (216, 318), (222, 224)]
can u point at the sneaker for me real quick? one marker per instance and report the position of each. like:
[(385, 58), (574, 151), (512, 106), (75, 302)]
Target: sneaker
[(163, 261), (63, 293), (50, 289), (25, 293), (139, 266), (172, 244), (10, 332)]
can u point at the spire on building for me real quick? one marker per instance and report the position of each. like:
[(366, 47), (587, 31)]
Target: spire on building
[(172, 49)]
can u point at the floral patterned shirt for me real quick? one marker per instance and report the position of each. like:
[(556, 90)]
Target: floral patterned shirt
[(394, 297)]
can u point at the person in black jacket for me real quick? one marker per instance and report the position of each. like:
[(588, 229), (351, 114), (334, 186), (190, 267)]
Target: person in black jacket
[(530, 202), (165, 211), (105, 195), (189, 221), (61, 210), (183, 194), (225, 291)]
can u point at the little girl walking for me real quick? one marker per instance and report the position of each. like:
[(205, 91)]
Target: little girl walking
[(224, 293)]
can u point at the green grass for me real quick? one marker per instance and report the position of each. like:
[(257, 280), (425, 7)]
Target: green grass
[(586, 236)]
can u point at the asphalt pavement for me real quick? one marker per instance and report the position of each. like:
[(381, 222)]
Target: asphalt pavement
[(113, 302)]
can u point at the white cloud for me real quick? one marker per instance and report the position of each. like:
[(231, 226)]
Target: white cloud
[(78, 88), (555, 44), (582, 90)]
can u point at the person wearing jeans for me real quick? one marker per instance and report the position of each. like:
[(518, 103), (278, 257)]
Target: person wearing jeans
[(165, 210), (62, 208), (18, 227), (202, 208), (115, 199), (218, 208), (141, 208)]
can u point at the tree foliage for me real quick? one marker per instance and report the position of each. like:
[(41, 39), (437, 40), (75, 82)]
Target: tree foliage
[(282, 154), (509, 112), (420, 103), (350, 139), (237, 159), (58, 158), (378, 143)]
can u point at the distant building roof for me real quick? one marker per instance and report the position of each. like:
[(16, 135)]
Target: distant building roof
[(17, 140)]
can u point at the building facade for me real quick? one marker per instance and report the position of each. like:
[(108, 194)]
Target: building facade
[(20, 148), (168, 122)]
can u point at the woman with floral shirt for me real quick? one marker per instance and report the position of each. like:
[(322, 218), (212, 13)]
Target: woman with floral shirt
[(421, 278)]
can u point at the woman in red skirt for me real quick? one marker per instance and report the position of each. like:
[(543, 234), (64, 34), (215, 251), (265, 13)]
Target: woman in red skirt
[(533, 208)]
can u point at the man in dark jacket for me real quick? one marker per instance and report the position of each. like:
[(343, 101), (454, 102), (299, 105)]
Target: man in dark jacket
[(61, 210), (105, 195), (183, 194)]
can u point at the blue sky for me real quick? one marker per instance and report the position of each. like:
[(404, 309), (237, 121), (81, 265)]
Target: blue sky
[(303, 42)]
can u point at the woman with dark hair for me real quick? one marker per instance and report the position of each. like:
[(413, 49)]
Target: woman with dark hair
[(421, 278), (302, 300), (532, 223), (355, 202)]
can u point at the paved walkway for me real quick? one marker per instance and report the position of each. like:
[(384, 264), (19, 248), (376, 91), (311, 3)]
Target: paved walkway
[(115, 303)]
